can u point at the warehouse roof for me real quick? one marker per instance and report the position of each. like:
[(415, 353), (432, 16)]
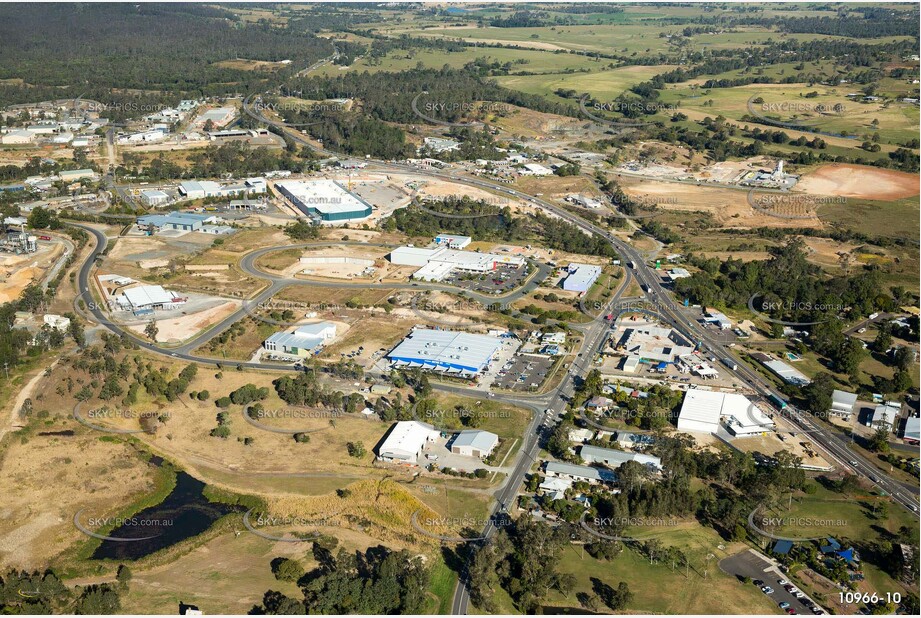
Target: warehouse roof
[(407, 438), (588, 472), (787, 373), (615, 458), (480, 440), (147, 295), (445, 349), (843, 399), (708, 406), (325, 196)]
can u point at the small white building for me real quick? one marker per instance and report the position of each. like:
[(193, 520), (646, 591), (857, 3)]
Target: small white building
[(57, 322), (842, 403), (885, 415), (452, 241), (474, 443), (154, 197), (406, 441)]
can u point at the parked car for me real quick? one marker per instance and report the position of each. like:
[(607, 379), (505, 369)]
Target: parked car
[(767, 590), (784, 605)]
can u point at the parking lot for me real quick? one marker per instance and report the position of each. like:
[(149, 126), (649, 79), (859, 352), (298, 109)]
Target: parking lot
[(499, 281), (525, 372), (752, 565)]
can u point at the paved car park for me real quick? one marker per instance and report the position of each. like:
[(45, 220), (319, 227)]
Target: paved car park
[(499, 281), (755, 566), (524, 372)]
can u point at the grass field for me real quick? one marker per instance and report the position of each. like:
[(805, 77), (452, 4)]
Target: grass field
[(603, 85)]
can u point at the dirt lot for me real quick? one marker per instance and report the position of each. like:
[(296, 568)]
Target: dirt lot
[(728, 207), (859, 181), (18, 271), (46, 479), (181, 328)]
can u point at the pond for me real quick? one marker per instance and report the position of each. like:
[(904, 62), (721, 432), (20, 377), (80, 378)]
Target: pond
[(183, 514)]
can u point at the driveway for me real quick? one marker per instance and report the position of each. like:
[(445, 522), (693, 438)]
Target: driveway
[(752, 564)]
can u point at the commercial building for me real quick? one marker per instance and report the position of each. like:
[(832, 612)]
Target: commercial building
[(324, 200), (581, 277), (218, 116), (452, 242), (199, 189), (535, 169), (842, 403), (573, 472), (678, 273), (146, 298), (884, 415), (303, 342), (911, 433), (406, 441), (143, 137), (474, 443), (440, 144), (17, 136), (614, 459), (701, 412), (786, 373), (74, 175), (445, 351), (154, 197), (718, 318), (184, 221), (438, 263), (654, 344)]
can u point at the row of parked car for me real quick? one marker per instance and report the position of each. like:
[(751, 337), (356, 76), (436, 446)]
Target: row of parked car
[(793, 590)]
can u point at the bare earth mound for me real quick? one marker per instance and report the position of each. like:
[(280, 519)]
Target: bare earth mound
[(859, 181)]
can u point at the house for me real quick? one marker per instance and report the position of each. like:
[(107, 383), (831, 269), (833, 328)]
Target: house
[(474, 443), (629, 439), (575, 473), (842, 403), (615, 459), (599, 403), (406, 441), (580, 435), (56, 322), (555, 488)]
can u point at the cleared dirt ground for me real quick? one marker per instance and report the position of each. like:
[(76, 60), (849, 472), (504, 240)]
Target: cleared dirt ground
[(859, 181)]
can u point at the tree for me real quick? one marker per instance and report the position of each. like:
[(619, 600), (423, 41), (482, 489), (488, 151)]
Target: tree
[(151, 330), (123, 574), (356, 450), (287, 569), (883, 339), (879, 441)]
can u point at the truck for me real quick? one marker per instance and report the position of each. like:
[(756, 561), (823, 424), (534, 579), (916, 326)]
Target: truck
[(777, 402), (730, 363)]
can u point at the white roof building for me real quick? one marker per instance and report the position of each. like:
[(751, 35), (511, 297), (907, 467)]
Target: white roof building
[(325, 200), (615, 459), (535, 169), (654, 343), (445, 351), (405, 442), (438, 263), (303, 341), (581, 277), (678, 273), (474, 443), (842, 403), (702, 410), (149, 297), (17, 136), (885, 415), (56, 322), (787, 373)]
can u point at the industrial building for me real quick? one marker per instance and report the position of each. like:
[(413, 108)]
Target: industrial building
[(218, 116), (654, 344), (325, 200), (842, 403), (785, 372), (701, 412), (199, 189), (573, 472), (406, 441), (535, 169), (74, 175), (438, 263), (146, 298), (17, 136), (911, 433), (712, 316), (884, 415), (440, 144), (474, 443), (154, 198), (445, 351), (452, 242), (581, 277), (678, 273), (184, 221), (304, 341), (614, 459)]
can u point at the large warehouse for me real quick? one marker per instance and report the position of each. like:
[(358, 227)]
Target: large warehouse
[(701, 412), (146, 298), (324, 200), (445, 351), (581, 277), (438, 263)]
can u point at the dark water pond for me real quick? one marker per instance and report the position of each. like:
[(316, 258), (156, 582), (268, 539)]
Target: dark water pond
[(183, 514)]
